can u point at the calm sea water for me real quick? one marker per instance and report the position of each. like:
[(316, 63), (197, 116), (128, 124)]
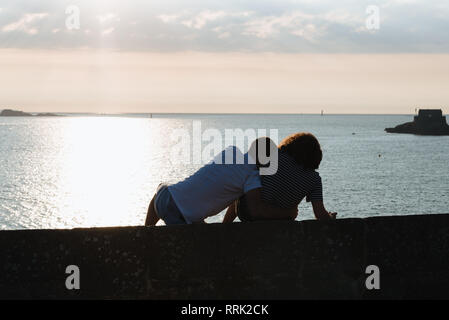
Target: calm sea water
[(102, 171)]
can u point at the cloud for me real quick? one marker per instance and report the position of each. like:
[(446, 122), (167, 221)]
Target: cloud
[(200, 20), (342, 17), (108, 31), (224, 35), (106, 17), (301, 24), (168, 18), (266, 25), (25, 23), (309, 32)]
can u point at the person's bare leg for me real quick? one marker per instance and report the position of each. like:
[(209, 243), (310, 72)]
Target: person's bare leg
[(152, 217), (231, 214)]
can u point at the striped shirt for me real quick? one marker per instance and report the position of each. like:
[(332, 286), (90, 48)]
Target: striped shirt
[(291, 183)]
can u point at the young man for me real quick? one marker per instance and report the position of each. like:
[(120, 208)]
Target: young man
[(298, 157), (208, 191)]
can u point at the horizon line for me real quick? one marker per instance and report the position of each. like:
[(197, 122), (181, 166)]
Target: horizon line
[(212, 113)]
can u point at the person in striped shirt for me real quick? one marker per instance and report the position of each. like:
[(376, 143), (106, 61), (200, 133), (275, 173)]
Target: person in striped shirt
[(298, 156)]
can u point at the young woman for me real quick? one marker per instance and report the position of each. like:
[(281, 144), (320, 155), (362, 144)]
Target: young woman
[(295, 179)]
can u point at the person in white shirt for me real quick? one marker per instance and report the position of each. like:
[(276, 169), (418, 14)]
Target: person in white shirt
[(210, 190), (207, 192)]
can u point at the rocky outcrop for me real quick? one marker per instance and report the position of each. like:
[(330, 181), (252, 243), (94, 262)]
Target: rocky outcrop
[(15, 113), (427, 122), (47, 114), (254, 260)]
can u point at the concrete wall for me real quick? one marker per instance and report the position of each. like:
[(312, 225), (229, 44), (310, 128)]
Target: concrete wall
[(270, 260)]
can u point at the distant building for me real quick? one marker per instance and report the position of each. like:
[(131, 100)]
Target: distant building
[(427, 122), (430, 118)]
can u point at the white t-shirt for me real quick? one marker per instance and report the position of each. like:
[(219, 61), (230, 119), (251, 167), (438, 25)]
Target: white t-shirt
[(216, 185)]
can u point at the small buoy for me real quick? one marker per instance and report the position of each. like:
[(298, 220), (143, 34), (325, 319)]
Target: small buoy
[(380, 155), (353, 133)]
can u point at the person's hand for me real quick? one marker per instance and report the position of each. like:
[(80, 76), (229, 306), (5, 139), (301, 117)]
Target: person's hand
[(333, 215)]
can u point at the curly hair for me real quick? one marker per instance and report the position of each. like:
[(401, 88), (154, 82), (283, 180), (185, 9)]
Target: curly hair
[(304, 148)]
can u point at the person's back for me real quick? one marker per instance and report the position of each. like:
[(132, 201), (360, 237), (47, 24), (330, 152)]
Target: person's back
[(216, 185), (291, 183), (298, 156), (207, 192)]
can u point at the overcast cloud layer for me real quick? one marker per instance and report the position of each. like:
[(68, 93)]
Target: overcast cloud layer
[(221, 26)]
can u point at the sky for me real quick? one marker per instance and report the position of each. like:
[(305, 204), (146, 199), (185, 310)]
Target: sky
[(224, 56)]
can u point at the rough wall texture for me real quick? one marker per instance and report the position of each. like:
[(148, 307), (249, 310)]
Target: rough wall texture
[(269, 260)]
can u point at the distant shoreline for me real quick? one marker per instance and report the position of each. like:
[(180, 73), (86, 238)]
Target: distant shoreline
[(162, 114), (17, 113)]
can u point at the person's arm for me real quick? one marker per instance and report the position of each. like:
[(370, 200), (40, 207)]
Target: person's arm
[(320, 211), (231, 214), (261, 210)]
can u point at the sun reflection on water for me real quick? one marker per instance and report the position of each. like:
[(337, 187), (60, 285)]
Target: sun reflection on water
[(103, 166)]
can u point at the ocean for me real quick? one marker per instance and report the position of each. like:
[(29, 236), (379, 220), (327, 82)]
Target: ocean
[(91, 171)]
